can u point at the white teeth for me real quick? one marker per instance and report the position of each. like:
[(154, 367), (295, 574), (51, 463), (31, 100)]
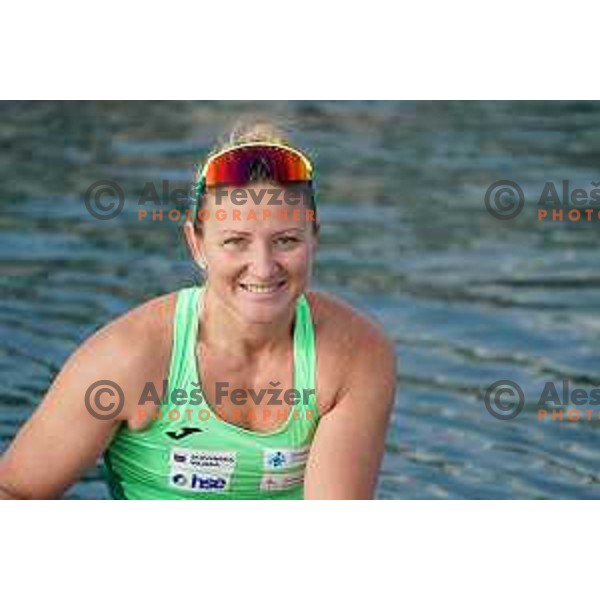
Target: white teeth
[(260, 289)]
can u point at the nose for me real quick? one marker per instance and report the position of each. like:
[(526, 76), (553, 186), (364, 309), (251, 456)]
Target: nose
[(264, 267)]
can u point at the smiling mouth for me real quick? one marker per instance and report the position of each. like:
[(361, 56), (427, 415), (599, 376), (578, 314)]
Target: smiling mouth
[(262, 288)]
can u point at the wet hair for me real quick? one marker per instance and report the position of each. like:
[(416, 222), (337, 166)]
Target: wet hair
[(256, 130)]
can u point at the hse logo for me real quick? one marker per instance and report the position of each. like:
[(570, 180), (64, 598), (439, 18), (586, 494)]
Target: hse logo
[(284, 458), (201, 482)]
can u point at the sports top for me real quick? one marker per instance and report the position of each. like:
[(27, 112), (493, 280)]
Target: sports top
[(189, 452)]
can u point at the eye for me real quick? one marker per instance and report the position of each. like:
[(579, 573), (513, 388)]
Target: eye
[(287, 241), (234, 241)]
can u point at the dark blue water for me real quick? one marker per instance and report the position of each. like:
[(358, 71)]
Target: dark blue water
[(468, 299)]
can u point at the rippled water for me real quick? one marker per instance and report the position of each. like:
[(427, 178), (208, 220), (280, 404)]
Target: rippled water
[(468, 299)]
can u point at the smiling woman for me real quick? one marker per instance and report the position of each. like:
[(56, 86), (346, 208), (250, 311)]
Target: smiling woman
[(253, 326)]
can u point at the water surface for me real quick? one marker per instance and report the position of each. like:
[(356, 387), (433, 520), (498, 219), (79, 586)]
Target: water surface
[(467, 299)]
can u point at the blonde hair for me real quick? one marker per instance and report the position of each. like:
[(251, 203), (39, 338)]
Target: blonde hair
[(257, 130)]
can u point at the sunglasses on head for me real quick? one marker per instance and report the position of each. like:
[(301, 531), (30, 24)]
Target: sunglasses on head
[(255, 161)]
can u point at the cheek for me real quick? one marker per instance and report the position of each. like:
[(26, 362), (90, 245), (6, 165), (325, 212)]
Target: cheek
[(300, 260)]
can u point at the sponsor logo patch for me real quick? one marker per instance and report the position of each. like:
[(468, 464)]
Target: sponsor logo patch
[(199, 482), (206, 461), (279, 459), (184, 432), (201, 470), (280, 481)]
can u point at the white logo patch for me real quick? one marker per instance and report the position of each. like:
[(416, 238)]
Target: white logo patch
[(199, 482), (205, 461), (280, 459), (280, 481), (201, 470)]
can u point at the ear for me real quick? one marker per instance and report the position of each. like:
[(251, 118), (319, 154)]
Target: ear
[(195, 244)]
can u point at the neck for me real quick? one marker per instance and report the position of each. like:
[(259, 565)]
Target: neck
[(223, 328)]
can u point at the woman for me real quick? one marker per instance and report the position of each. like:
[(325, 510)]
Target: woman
[(247, 387)]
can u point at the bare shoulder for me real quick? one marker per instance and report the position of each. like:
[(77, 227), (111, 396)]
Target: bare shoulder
[(138, 333), (345, 327), (131, 350), (348, 342)]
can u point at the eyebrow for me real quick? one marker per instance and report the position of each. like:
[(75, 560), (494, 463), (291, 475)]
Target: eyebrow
[(234, 232), (290, 230), (238, 232)]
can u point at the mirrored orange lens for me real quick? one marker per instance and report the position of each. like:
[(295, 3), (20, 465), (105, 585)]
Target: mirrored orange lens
[(250, 163)]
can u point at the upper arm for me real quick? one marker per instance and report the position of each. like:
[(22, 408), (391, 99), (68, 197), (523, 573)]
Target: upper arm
[(348, 446), (63, 438)]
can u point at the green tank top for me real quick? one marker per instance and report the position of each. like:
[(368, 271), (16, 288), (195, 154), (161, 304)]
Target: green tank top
[(188, 452)]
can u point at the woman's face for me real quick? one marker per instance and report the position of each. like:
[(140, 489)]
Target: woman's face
[(258, 257)]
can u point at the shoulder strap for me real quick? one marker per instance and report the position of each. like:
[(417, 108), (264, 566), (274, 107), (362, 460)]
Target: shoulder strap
[(304, 352), (185, 328)]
